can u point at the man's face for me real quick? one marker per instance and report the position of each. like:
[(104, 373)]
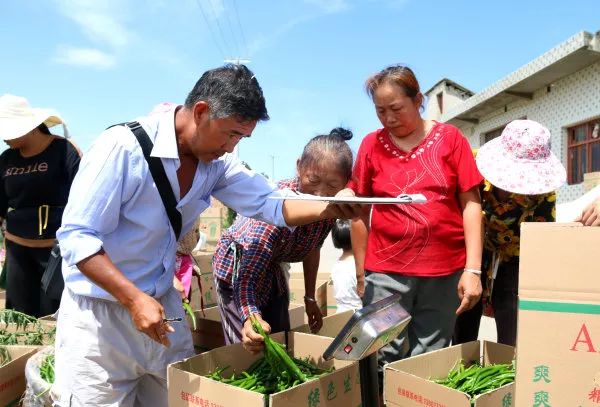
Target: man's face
[(215, 137)]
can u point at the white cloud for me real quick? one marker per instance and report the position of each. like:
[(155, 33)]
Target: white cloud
[(100, 21), (86, 57), (330, 6)]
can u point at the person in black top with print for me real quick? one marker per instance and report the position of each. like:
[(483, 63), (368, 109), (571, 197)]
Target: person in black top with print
[(36, 173)]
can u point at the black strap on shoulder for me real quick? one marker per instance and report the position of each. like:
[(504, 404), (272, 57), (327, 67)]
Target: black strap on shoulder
[(160, 177)]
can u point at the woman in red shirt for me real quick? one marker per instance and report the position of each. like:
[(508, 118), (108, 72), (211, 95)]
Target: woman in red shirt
[(430, 253)]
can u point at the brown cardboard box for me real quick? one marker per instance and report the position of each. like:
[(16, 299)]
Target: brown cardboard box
[(322, 275), (331, 301), (203, 260), (591, 180), (407, 382), (2, 299), (188, 386), (12, 375), (209, 330), (297, 293), (208, 292), (558, 342), (332, 325), (203, 265)]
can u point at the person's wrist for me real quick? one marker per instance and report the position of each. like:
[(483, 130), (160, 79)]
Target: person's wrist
[(472, 271), (309, 299)]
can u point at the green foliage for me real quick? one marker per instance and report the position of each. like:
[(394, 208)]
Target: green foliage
[(477, 379), (17, 328), (4, 356), (274, 372)]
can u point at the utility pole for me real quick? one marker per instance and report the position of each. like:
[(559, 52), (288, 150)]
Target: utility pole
[(272, 166), (236, 61)]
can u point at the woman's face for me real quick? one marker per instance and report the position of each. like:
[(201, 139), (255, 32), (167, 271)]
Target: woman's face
[(398, 113), (323, 179), (17, 143)]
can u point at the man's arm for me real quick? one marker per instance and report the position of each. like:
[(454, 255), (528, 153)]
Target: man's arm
[(146, 312), (249, 194)]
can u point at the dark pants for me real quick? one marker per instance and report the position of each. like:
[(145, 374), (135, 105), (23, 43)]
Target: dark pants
[(275, 312), (504, 303), (24, 269)]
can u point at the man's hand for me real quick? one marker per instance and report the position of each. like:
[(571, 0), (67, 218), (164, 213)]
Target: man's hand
[(252, 341), (315, 318), (591, 214), (469, 291), (344, 211), (148, 316)]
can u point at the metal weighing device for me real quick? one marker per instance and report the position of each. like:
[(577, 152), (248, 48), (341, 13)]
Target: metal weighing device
[(369, 329)]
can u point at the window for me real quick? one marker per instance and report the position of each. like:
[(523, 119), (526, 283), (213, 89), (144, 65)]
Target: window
[(497, 132), (583, 150), (440, 102), (490, 135)]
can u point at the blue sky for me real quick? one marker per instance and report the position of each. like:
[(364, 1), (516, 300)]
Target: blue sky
[(100, 62)]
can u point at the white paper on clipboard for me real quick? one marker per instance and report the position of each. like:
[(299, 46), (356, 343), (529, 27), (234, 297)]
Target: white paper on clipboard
[(400, 199)]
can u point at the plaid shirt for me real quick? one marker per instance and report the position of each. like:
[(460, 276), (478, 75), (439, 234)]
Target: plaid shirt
[(258, 249)]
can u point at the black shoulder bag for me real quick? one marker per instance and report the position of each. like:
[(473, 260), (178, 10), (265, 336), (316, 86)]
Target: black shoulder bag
[(160, 177)]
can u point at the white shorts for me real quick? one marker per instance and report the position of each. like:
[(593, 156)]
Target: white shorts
[(102, 360)]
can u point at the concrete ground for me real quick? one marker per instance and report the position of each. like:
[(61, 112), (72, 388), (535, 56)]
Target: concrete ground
[(330, 254)]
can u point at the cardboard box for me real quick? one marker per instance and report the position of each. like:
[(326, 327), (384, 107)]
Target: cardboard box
[(203, 260), (188, 386), (207, 293), (212, 226), (2, 299), (209, 330), (332, 325), (322, 275), (12, 375), (297, 293), (407, 382), (331, 301), (558, 342)]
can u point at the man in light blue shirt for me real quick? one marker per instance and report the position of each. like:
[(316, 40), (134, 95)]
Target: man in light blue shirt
[(113, 344)]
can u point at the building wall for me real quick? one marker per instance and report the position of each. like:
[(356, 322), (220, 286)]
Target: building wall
[(452, 97), (569, 101)]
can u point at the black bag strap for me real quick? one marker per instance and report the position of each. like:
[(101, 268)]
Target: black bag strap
[(160, 177)]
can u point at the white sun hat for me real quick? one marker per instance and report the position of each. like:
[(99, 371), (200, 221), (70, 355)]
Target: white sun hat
[(17, 118), (521, 160)]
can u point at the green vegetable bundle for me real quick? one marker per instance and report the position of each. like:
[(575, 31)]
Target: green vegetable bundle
[(17, 328), (4, 356), (477, 379), (47, 369), (274, 372)]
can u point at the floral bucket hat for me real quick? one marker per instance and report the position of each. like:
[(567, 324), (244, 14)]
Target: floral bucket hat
[(521, 160)]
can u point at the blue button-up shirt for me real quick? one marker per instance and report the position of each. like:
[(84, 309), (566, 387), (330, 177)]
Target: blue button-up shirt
[(114, 205)]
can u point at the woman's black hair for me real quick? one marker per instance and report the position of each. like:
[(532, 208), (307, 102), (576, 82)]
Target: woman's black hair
[(330, 146), (340, 234), (44, 129)]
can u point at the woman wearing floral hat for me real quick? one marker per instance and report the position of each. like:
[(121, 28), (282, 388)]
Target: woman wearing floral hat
[(35, 177), (522, 175)]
